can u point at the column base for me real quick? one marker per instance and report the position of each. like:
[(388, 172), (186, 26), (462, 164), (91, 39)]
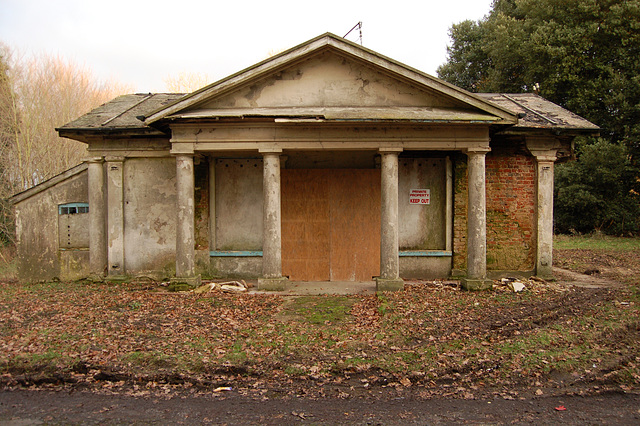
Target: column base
[(476, 284), (95, 278), (273, 284), (184, 283), (544, 272), (389, 284)]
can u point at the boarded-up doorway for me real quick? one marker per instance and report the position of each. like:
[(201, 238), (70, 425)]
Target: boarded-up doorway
[(330, 224)]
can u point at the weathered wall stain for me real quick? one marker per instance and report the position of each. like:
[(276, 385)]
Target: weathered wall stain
[(149, 213), (38, 253)]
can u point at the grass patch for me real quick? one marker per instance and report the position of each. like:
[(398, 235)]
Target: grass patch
[(596, 242), (48, 362), (321, 310)]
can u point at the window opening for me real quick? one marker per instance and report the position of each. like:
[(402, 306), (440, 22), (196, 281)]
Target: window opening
[(73, 208)]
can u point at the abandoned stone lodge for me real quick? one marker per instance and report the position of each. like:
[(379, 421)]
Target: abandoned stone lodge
[(326, 162)]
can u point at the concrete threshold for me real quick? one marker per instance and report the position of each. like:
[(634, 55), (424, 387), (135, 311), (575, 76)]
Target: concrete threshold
[(313, 288)]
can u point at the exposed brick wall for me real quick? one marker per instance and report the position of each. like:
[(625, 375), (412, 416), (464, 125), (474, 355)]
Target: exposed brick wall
[(201, 174), (460, 198), (511, 209)]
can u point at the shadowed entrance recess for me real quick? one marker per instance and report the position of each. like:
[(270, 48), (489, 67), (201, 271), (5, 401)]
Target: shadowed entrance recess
[(330, 224)]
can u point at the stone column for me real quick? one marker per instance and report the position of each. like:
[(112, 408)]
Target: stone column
[(389, 279), (97, 219), (476, 222), (185, 226), (544, 261), (545, 149), (115, 217), (272, 278)]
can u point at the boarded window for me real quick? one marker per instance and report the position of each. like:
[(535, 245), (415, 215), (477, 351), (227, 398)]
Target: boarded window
[(238, 198), (73, 226)]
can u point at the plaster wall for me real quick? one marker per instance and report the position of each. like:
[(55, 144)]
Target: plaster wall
[(425, 267), (329, 80), (39, 255), (149, 215), (236, 267), (422, 227), (74, 264), (238, 204)]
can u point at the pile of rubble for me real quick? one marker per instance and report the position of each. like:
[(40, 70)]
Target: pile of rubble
[(534, 284)]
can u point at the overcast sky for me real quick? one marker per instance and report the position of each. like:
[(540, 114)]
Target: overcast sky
[(141, 42)]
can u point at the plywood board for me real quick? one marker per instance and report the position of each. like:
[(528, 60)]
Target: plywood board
[(355, 224), (305, 225), (330, 224)]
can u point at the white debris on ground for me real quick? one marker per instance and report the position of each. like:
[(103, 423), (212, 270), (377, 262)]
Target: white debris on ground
[(226, 287), (514, 284), (533, 284)]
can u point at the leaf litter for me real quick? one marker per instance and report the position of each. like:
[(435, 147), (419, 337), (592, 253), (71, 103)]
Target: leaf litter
[(429, 340)]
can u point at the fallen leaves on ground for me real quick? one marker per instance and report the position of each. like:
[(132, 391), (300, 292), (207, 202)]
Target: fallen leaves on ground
[(431, 339)]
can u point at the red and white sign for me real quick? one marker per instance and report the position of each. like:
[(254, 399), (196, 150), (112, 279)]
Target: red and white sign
[(420, 196)]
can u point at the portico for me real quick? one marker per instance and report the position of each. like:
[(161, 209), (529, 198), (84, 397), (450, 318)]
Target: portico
[(386, 144)]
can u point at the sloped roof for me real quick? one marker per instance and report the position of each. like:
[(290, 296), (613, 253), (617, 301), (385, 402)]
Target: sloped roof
[(535, 112), (120, 114)]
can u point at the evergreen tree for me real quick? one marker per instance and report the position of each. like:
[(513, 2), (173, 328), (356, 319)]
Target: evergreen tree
[(580, 54)]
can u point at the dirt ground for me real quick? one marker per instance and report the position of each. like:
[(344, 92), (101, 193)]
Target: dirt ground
[(32, 407), (367, 397), (621, 267)]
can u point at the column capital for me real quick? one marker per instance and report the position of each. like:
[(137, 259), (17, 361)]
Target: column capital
[(390, 150), (545, 156), (183, 154), (90, 160), (477, 150), (114, 159), (266, 151), (185, 148), (544, 148)]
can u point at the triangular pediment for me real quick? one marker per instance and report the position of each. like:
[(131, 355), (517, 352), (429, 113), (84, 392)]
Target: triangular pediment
[(331, 78)]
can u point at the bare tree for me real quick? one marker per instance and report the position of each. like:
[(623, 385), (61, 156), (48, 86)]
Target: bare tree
[(38, 94), (43, 93), (186, 82)]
